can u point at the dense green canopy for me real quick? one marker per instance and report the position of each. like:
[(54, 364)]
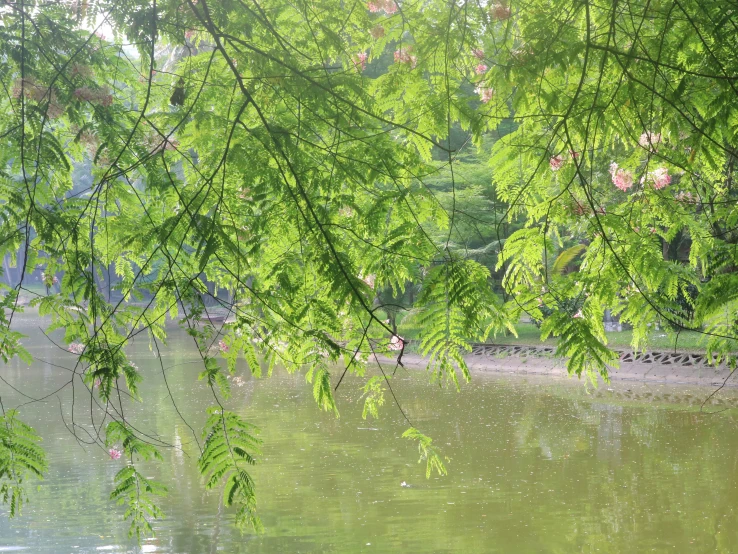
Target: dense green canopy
[(306, 166)]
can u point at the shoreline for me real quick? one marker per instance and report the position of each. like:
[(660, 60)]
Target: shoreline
[(680, 368), (657, 367)]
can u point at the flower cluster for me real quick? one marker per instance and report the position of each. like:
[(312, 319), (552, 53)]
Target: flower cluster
[(94, 96), (78, 7), (76, 348), (485, 93), (555, 162), (155, 143), (377, 32), (621, 178), (38, 93), (30, 89), (84, 71), (578, 209), (522, 53), (402, 55), (49, 280), (499, 12), (686, 197), (360, 60), (396, 343), (481, 69), (387, 6), (659, 178), (89, 140), (54, 109), (223, 346), (649, 140), (115, 454), (478, 53)]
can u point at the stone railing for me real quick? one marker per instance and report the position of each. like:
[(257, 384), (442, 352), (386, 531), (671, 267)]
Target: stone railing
[(678, 359)]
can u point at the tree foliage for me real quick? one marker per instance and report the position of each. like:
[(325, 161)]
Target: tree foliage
[(289, 155)]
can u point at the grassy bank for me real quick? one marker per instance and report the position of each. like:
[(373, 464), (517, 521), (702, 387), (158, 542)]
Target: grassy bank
[(529, 334)]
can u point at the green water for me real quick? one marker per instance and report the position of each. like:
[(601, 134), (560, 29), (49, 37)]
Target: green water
[(535, 466)]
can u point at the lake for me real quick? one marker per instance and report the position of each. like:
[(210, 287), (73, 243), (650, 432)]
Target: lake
[(535, 465)]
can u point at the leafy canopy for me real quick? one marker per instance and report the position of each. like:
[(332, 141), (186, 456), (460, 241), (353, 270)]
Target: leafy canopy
[(289, 155)]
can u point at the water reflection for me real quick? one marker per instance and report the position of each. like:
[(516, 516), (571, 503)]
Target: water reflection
[(536, 466)]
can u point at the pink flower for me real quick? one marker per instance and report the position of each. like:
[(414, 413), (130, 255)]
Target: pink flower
[(485, 93), (480, 69), (89, 140), (578, 315), (660, 178), (360, 60), (649, 140), (684, 196), (82, 70), (387, 6), (54, 108), (556, 162), (402, 55), (115, 454), (522, 53), (621, 178), (377, 32), (76, 348), (223, 346), (478, 53), (49, 280), (94, 96), (499, 12), (171, 144), (31, 89), (396, 343), (390, 7)]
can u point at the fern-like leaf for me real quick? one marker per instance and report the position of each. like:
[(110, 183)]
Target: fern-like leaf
[(427, 452), (20, 459), (230, 446), (138, 492)]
